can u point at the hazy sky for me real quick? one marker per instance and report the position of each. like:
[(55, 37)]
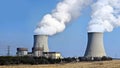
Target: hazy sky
[(18, 19)]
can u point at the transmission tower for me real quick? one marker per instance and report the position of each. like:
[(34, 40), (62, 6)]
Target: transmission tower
[(8, 51)]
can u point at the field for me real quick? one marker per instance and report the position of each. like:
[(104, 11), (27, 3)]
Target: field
[(100, 64)]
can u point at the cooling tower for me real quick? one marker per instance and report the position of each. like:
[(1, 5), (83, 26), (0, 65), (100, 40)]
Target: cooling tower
[(40, 44), (95, 46)]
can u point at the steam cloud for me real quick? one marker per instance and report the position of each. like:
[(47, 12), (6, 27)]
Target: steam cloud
[(105, 16), (66, 11)]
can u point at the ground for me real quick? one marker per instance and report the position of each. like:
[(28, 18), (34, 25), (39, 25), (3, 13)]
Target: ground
[(100, 64)]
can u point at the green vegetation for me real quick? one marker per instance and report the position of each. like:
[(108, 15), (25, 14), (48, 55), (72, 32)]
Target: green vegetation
[(15, 60), (9, 60)]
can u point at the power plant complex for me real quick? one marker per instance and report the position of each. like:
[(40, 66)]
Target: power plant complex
[(95, 47), (40, 48), (65, 12)]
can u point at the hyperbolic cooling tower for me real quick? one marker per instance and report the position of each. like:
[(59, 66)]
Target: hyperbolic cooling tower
[(40, 44), (95, 46)]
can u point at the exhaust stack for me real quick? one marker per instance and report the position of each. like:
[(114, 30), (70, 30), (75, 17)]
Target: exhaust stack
[(95, 46)]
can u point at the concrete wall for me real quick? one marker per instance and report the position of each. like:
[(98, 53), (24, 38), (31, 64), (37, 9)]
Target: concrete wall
[(22, 53), (37, 53)]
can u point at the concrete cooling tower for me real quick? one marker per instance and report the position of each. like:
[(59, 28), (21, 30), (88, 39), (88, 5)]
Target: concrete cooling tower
[(95, 47), (40, 45)]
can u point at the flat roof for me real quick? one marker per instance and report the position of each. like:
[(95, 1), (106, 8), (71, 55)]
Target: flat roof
[(50, 52)]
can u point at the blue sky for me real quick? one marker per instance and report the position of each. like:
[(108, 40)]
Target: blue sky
[(18, 19)]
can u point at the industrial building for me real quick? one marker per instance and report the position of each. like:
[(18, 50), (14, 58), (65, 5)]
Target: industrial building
[(22, 52), (53, 55), (40, 48)]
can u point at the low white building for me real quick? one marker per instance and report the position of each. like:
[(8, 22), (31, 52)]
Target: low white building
[(22, 52), (37, 52), (53, 55)]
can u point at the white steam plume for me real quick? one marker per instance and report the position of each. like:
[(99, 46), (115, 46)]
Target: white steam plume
[(105, 16), (66, 11)]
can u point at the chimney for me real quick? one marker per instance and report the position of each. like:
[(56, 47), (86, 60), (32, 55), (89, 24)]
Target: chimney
[(40, 45), (95, 46)]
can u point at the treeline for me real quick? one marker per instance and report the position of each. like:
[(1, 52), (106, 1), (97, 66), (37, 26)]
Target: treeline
[(9, 60), (15, 60)]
